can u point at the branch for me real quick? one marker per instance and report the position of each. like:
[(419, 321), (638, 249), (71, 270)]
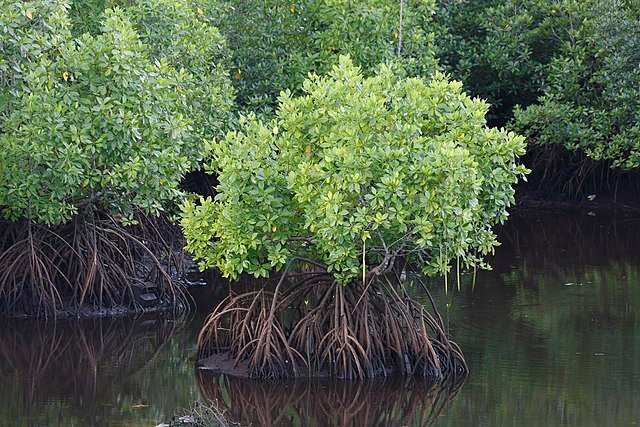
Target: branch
[(385, 264), (399, 47), (300, 239)]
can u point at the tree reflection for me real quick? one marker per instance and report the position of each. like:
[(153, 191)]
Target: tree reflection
[(64, 370), (380, 402), (551, 333)]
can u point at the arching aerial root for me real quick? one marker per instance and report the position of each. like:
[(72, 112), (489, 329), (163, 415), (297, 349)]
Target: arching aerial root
[(318, 327), (93, 260)]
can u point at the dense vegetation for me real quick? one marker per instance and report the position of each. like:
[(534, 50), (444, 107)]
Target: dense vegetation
[(563, 73), (276, 44), (381, 166), (336, 147), (97, 132), (352, 176), (591, 88), (98, 124)]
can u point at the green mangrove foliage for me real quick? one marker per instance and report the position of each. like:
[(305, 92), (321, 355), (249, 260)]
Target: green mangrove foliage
[(89, 121), (499, 48), (347, 178), (87, 15), (276, 44), (591, 87), (357, 169), (97, 131), (179, 32), (563, 72)]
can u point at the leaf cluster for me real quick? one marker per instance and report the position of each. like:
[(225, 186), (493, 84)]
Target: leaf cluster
[(99, 120), (276, 44), (498, 48), (180, 33), (591, 88), (357, 168), (561, 71)]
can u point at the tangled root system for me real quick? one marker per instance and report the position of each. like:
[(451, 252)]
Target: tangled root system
[(93, 260), (315, 326), (558, 174), (384, 401)]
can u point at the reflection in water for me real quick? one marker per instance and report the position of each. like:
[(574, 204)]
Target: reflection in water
[(61, 369), (551, 241), (551, 335), (381, 402)]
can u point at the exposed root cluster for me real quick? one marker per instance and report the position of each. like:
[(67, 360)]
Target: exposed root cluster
[(559, 174), (315, 326), (387, 401), (91, 260)]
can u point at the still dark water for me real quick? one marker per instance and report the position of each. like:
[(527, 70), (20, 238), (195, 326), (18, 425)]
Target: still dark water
[(551, 335)]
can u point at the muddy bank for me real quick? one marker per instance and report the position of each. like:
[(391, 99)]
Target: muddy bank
[(598, 204), (141, 301), (223, 363)]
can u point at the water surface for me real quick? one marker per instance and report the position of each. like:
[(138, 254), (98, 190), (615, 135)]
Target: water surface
[(551, 335)]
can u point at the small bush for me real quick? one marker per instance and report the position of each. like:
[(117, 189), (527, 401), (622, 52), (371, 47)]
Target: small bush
[(97, 124), (348, 178), (377, 167), (94, 130)]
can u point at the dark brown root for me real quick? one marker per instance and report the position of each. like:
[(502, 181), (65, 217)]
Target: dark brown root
[(91, 261), (389, 401), (315, 326), (560, 175)]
